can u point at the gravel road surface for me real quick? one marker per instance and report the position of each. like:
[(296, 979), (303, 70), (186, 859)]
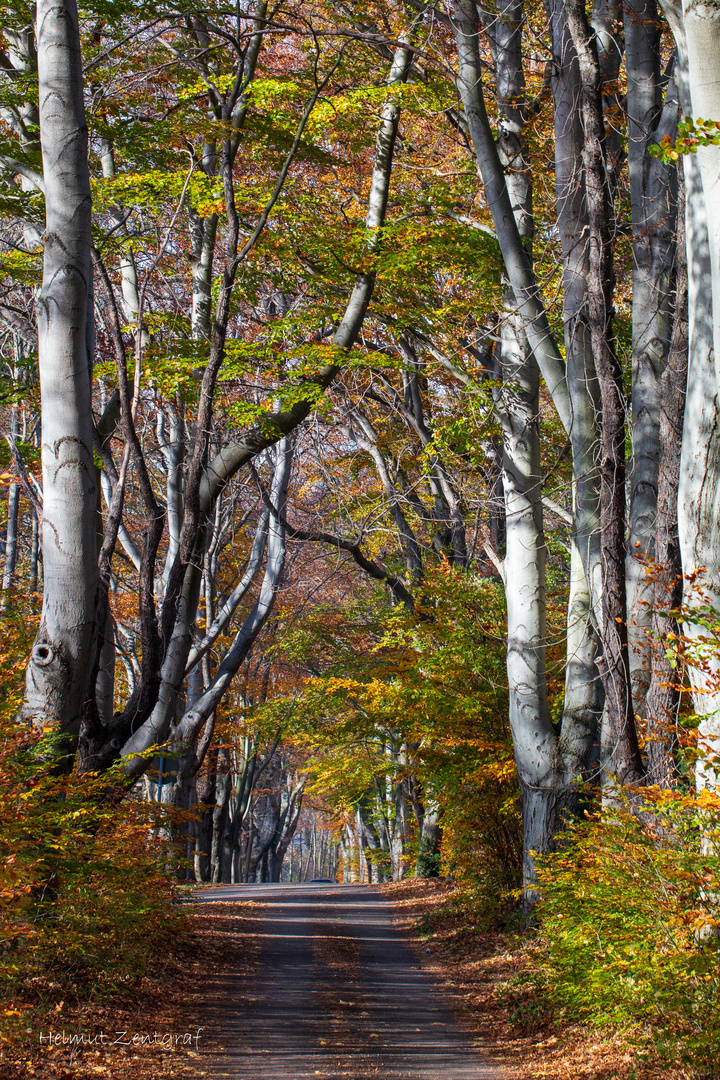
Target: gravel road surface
[(337, 994)]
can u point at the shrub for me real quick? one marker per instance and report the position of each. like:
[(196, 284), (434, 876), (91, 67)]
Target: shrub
[(629, 926), (83, 889)]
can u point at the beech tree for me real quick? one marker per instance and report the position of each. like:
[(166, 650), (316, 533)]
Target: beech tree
[(696, 28), (57, 677)]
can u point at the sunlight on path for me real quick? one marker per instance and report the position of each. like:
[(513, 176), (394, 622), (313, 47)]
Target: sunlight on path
[(339, 994)]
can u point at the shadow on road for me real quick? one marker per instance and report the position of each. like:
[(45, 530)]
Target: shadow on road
[(338, 993)]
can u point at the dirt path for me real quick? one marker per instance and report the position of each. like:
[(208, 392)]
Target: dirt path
[(337, 993)]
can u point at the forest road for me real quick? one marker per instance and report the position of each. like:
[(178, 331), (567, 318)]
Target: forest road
[(337, 994)]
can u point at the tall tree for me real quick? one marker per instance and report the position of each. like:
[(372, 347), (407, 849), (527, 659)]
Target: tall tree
[(696, 28), (58, 670)]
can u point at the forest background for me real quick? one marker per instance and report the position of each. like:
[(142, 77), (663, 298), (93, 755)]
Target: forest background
[(360, 408)]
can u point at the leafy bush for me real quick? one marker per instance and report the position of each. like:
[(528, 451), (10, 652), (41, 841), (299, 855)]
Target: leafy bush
[(83, 893), (630, 912)]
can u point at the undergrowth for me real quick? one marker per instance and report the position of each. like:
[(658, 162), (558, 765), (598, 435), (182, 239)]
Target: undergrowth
[(85, 902), (629, 923)]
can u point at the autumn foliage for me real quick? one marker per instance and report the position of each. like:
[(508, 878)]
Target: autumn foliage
[(85, 900), (630, 919)]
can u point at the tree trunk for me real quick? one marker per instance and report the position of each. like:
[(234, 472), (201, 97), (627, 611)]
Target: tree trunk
[(205, 791), (63, 654), (652, 200), (516, 260), (219, 815), (105, 682), (583, 387), (11, 537), (702, 30), (429, 844), (626, 762), (699, 483), (548, 767), (582, 703), (701, 19), (518, 406), (34, 556), (664, 691)]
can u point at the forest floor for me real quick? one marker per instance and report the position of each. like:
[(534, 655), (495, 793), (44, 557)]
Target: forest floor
[(483, 978), (150, 1028)]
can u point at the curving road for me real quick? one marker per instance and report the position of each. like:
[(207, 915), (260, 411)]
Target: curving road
[(337, 994)]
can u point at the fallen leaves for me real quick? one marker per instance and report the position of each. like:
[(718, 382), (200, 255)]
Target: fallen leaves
[(168, 999)]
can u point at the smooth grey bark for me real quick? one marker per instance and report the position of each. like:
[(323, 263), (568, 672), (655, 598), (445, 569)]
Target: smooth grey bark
[(105, 681), (19, 65), (11, 538), (696, 28), (553, 762), (430, 842), (518, 409), (34, 556), (171, 438), (205, 785), (62, 657), (203, 235), (517, 264), (534, 739), (369, 844), (549, 761), (701, 22), (702, 28), (582, 702), (20, 41), (606, 19), (369, 838), (575, 392), (219, 813), (398, 807)]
